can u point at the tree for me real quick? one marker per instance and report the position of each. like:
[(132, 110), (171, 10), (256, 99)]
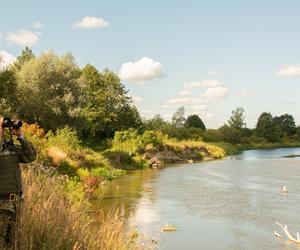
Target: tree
[(266, 128), (230, 134), (194, 121), (107, 106), (237, 119), (8, 85), (178, 118), (286, 124), (25, 56), (129, 117), (155, 123), (48, 91)]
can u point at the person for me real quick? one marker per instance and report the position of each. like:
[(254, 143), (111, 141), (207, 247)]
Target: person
[(11, 184)]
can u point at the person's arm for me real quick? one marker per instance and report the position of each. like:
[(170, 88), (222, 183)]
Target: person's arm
[(26, 151)]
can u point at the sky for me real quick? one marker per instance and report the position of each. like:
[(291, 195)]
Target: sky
[(208, 56)]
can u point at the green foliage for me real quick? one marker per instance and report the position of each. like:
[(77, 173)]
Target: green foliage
[(237, 119), (122, 159), (185, 133), (213, 135), (286, 124), (125, 135), (178, 118), (230, 134), (75, 192), (8, 87), (26, 55), (194, 121), (65, 138), (107, 106), (48, 91), (152, 137), (266, 128), (229, 149), (156, 123)]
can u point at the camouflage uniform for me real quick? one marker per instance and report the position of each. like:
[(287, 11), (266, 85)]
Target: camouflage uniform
[(11, 189)]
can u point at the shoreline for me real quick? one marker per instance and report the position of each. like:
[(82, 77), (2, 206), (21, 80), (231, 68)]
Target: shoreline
[(240, 148)]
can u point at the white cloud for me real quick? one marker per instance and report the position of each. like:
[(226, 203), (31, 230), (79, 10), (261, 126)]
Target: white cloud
[(147, 113), (212, 73), (199, 107), (142, 70), (185, 92), (6, 59), (289, 70), (137, 99), (216, 92), (21, 37), (90, 22), (243, 93), (202, 84), (37, 25), (183, 101)]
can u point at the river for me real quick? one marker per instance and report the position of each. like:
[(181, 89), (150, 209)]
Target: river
[(225, 204)]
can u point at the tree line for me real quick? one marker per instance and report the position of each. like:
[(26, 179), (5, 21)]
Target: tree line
[(55, 92), (268, 128)]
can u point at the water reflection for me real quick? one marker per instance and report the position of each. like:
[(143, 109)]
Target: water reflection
[(124, 193), (230, 204)]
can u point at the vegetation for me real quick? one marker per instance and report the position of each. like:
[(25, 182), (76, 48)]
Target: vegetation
[(91, 132), (56, 216)]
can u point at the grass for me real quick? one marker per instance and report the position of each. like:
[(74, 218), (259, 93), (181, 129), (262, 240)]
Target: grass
[(229, 149), (57, 219), (269, 145)]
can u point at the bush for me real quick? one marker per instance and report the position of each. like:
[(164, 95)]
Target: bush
[(122, 159), (212, 135), (155, 138), (126, 135), (66, 139)]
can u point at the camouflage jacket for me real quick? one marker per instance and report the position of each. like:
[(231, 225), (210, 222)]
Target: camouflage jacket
[(25, 151), (10, 173)]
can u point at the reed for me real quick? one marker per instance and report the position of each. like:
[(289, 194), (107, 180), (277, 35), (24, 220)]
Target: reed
[(51, 219)]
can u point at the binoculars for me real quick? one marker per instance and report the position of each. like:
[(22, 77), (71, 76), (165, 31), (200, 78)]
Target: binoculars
[(11, 123)]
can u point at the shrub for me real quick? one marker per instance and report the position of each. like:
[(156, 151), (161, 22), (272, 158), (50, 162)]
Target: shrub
[(65, 139), (155, 138), (212, 135), (126, 135)]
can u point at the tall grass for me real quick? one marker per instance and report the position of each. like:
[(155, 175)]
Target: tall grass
[(54, 218)]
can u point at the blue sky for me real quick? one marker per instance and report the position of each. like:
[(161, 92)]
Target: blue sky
[(208, 56)]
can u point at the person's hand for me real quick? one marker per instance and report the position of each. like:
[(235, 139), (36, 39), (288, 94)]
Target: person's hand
[(16, 131)]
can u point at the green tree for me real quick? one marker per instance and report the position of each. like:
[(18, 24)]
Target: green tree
[(267, 128), (48, 91), (107, 106), (25, 56), (286, 124), (230, 134), (178, 118), (155, 123), (8, 86), (194, 121), (237, 119), (129, 117)]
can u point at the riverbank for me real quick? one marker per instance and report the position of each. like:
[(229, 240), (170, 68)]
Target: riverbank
[(268, 145)]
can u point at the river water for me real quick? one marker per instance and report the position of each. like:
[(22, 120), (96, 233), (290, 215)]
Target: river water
[(226, 204)]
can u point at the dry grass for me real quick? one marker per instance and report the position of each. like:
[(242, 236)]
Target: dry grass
[(214, 151), (51, 220)]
